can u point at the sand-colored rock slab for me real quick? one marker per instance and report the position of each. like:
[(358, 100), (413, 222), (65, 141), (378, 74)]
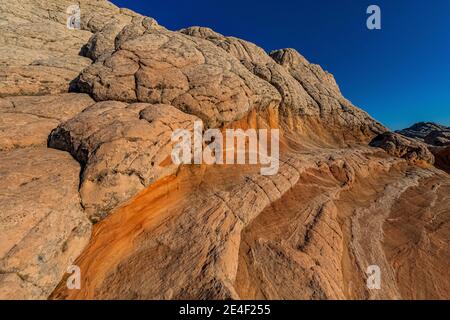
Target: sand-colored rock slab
[(442, 155), (189, 73), (305, 88), (122, 148), (42, 225), (24, 130), (187, 228), (416, 239), (27, 121)]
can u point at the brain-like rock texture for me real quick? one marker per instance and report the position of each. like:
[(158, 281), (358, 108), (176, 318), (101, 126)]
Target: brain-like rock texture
[(122, 148), (305, 88), (422, 130), (221, 79)]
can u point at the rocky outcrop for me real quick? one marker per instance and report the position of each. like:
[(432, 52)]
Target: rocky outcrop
[(437, 139), (104, 41), (322, 87), (305, 88), (165, 231), (39, 54), (440, 138), (220, 79), (402, 147), (428, 132), (27, 121), (42, 225), (190, 234), (297, 235), (442, 155), (322, 235), (188, 73), (122, 149)]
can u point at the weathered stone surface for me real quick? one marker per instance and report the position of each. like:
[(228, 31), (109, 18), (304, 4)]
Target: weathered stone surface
[(189, 73), (421, 130), (416, 238), (402, 147), (439, 138), (31, 80), (442, 155), (104, 41), (42, 225), (222, 232), (322, 87), (220, 80), (311, 104), (122, 148), (39, 55), (28, 120), (60, 107), (24, 130), (431, 133), (255, 59), (229, 233)]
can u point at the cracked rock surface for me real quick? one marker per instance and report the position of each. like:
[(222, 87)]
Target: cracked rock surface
[(123, 149), (403, 147), (39, 54), (27, 121), (85, 142)]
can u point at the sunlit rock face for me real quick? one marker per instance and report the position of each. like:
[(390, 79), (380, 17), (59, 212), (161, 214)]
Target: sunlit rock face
[(436, 137), (85, 155)]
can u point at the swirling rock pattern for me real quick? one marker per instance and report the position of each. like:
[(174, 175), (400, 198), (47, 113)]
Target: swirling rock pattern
[(98, 158)]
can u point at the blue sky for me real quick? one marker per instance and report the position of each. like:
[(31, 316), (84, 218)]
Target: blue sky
[(399, 74)]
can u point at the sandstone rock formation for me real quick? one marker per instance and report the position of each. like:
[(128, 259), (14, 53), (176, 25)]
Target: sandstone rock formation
[(101, 155), (42, 225), (442, 156), (27, 121), (191, 74), (301, 234), (437, 139), (305, 89), (428, 132), (39, 54), (122, 149), (402, 147)]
